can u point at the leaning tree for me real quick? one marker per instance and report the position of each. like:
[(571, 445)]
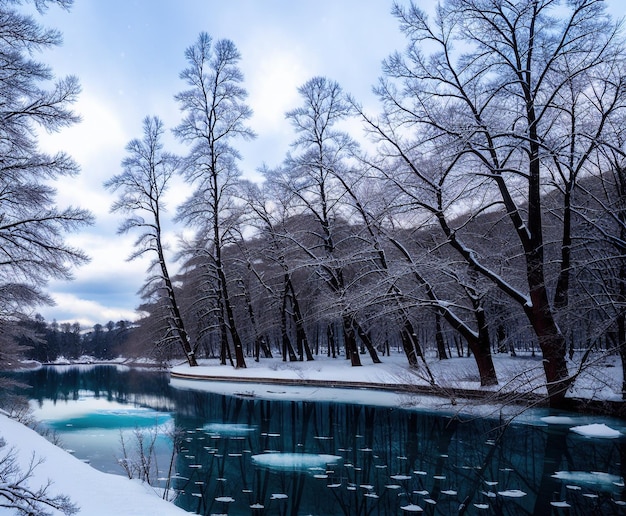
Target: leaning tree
[(146, 173), (474, 121)]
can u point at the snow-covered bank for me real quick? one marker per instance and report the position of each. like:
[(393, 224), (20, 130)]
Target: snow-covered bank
[(522, 375), (95, 493)]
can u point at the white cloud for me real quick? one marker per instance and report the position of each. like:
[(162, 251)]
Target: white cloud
[(99, 136), (68, 306)]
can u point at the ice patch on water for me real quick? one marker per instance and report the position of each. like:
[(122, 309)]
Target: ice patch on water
[(512, 493), (228, 429), (596, 430), (558, 420), (595, 479), (309, 462)]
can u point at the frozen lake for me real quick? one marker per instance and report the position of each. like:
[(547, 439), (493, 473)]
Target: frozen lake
[(239, 454)]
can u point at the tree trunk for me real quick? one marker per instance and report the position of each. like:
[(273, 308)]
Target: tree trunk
[(441, 346), (176, 316), (330, 337), (367, 341), (408, 347), (621, 321), (352, 350), (551, 341), (286, 341), (262, 343), (303, 342), (481, 349), (240, 361)]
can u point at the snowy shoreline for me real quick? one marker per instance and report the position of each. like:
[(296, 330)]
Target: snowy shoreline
[(596, 390), (94, 492)]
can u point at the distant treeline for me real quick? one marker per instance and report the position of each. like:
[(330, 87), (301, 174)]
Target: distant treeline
[(47, 342)]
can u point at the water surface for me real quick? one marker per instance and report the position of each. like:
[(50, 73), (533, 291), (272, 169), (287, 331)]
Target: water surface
[(229, 454)]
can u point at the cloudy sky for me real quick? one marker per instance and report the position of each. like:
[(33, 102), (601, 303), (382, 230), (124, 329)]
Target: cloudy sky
[(128, 55)]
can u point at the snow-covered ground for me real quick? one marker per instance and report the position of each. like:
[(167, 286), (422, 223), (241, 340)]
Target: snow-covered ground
[(602, 380), (97, 493)]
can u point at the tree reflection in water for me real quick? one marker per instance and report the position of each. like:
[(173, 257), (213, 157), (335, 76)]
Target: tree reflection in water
[(354, 459)]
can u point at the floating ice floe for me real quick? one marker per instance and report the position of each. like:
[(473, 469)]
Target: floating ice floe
[(400, 477), (482, 506), (225, 499), (257, 506), (561, 504), (599, 430), (308, 462), (278, 496), (228, 429), (512, 493), (411, 508), (594, 479), (558, 420)]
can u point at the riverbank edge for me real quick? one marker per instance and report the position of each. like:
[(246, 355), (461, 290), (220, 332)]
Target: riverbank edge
[(452, 394), (612, 408)]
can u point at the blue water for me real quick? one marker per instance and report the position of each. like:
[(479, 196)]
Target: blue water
[(242, 455)]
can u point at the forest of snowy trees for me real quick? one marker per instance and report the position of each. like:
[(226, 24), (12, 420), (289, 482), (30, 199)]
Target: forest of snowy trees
[(484, 212)]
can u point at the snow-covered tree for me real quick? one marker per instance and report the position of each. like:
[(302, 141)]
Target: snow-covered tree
[(215, 115), (32, 226), (473, 123), (309, 178), (147, 171)]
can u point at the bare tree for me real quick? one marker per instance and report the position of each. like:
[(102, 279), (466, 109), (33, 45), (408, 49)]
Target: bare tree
[(309, 176), (32, 226), (603, 215), (267, 216), (17, 493), (215, 114), (485, 115), (147, 171)]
